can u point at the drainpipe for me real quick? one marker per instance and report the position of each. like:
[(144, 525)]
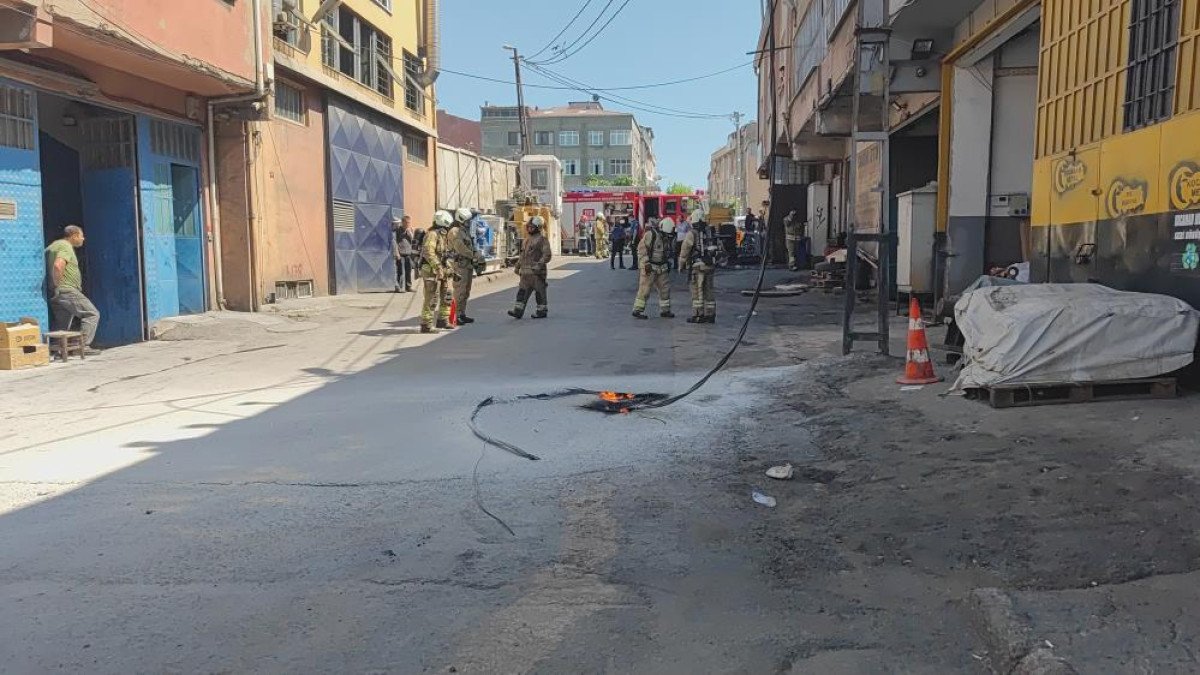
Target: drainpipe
[(260, 90), (433, 61)]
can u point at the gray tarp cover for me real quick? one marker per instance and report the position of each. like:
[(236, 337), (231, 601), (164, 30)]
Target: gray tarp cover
[(1056, 333)]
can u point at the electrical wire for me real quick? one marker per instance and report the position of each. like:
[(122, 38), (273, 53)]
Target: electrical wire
[(563, 56), (655, 85), (567, 27), (625, 101)]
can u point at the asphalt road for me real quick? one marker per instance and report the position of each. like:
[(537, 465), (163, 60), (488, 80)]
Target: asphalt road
[(324, 514)]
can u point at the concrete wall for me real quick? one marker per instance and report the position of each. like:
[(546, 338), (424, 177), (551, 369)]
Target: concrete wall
[(971, 123), (217, 32), (420, 187), (293, 238), (233, 185)]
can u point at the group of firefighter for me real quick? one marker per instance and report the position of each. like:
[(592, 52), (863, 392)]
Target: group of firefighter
[(449, 260)]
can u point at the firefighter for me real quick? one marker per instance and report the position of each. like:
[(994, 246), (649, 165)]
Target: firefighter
[(601, 237), (797, 251), (695, 256), (535, 255), (654, 255), (465, 260), (435, 274)]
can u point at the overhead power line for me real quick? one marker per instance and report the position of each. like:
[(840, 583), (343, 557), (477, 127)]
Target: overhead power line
[(554, 40), (585, 39), (654, 85), (622, 100)]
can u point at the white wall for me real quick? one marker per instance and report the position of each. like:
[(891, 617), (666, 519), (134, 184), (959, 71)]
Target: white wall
[(1015, 116), (972, 139)]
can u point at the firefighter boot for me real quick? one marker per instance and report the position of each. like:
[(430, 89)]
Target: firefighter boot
[(639, 314), (427, 329), (696, 318), (464, 320), (444, 324), (667, 314), (541, 314)]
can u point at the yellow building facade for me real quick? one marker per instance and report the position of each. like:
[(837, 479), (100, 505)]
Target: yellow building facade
[(346, 146), (1117, 169)]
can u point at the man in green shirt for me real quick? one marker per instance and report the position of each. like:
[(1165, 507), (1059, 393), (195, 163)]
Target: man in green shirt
[(67, 300)]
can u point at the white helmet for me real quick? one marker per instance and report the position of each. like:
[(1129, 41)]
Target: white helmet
[(697, 216), (667, 225), (463, 215), (538, 222), (442, 219)]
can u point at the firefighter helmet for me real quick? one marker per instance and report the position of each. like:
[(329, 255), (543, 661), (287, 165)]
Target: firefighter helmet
[(463, 215), (667, 225), (442, 219), (538, 222)]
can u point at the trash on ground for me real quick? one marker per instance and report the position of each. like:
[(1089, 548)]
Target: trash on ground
[(765, 500), (912, 387), (784, 472)]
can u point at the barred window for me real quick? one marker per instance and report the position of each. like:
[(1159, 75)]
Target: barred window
[(289, 103), (414, 96), (416, 148), (1150, 80), (16, 118)]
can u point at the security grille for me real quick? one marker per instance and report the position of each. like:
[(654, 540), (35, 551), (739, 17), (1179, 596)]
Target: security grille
[(416, 148), (1150, 80), (343, 216), (293, 290), (289, 102), (16, 118), (174, 140), (107, 142)]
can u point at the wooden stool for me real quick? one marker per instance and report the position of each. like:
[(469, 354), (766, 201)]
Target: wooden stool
[(65, 342)]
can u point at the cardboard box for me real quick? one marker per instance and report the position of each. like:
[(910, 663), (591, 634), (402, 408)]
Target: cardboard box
[(28, 356), (13, 335)]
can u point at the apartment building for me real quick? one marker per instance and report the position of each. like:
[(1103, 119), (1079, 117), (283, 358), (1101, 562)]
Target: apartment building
[(591, 142), (729, 163)]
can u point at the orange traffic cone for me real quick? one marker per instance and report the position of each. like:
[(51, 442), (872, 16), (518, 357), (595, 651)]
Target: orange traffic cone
[(454, 312), (918, 369)]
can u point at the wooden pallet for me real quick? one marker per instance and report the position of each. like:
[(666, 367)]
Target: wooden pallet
[(1021, 396)]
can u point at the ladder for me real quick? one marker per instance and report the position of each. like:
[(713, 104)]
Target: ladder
[(870, 142)]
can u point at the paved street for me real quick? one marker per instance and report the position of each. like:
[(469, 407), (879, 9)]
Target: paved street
[(300, 492)]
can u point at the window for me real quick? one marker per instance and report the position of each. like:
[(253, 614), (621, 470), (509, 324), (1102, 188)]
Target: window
[(596, 139), (1150, 81), (357, 50), (414, 95), (570, 167), (620, 137), (568, 139), (539, 179), (289, 103), (386, 4), (597, 166), (620, 167), (835, 11), (493, 138), (416, 148), (514, 138), (811, 45), (543, 138)]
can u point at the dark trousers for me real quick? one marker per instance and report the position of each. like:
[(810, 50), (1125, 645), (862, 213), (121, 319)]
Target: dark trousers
[(617, 252), (404, 272)]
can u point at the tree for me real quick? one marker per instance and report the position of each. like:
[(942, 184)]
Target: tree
[(680, 189), (601, 181)]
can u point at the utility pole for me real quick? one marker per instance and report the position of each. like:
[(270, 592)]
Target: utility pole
[(743, 195), (522, 120)]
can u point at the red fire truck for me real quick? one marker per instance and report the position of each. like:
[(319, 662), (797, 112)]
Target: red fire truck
[(583, 205)]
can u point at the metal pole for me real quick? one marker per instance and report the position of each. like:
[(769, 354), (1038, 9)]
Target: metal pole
[(741, 161), (522, 118)]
